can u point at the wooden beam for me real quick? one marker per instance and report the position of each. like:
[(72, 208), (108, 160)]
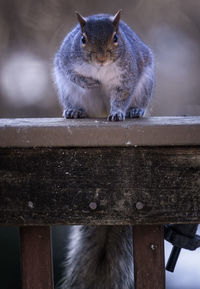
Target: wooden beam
[(149, 265), (36, 258), (142, 185), (154, 131)]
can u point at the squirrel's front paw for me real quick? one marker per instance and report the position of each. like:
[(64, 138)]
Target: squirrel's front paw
[(92, 83), (74, 113), (134, 112), (89, 82), (116, 116)]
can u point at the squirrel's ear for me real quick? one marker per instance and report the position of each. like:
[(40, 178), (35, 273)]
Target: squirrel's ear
[(81, 20), (116, 19)]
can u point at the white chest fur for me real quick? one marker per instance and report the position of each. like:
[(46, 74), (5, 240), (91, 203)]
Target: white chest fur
[(95, 101), (109, 75)]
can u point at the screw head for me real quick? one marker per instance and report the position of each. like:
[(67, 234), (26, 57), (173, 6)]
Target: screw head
[(93, 205), (139, 205)]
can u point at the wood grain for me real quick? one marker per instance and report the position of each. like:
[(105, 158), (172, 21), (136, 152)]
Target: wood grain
[(36, 261), (142, 185), (149, 265), (58, 132)]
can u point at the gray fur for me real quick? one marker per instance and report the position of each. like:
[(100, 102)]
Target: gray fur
[(99, 258), (124, 81)]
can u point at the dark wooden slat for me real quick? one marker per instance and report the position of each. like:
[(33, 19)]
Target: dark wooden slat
[(36, 257), (143, 185), (148, 247)]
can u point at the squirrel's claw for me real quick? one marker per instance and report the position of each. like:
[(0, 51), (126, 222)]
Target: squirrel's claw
[(134, 112), (116, 116), (74, 113)]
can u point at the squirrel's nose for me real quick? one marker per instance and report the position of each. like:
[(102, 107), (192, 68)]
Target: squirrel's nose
[(101, 58)]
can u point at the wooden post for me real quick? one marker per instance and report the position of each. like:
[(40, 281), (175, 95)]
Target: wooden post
[(36, 257), (148, 248)]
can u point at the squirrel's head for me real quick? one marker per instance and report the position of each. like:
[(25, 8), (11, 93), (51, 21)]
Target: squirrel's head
[(100, 39)]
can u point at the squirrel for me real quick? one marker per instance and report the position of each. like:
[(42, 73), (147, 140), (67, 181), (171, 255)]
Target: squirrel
[(103, 69)]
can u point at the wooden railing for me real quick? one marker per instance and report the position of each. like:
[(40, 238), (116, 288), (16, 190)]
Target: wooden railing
[(141, 172)]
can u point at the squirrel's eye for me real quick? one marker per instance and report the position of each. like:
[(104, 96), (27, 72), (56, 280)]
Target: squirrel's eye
[(83, 39), (115, 38)]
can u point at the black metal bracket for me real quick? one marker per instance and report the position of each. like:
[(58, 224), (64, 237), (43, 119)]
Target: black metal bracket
[(180, 236)]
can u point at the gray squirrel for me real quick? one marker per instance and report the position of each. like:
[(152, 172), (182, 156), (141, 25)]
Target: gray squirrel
[(102, 69)]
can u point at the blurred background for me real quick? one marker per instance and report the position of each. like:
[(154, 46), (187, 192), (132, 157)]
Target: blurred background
[(31, 32)]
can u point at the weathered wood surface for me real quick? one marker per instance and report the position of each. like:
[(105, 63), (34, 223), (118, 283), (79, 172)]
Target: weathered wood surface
[(59, 132), (142, 185), (36, 262), (149, 264)]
